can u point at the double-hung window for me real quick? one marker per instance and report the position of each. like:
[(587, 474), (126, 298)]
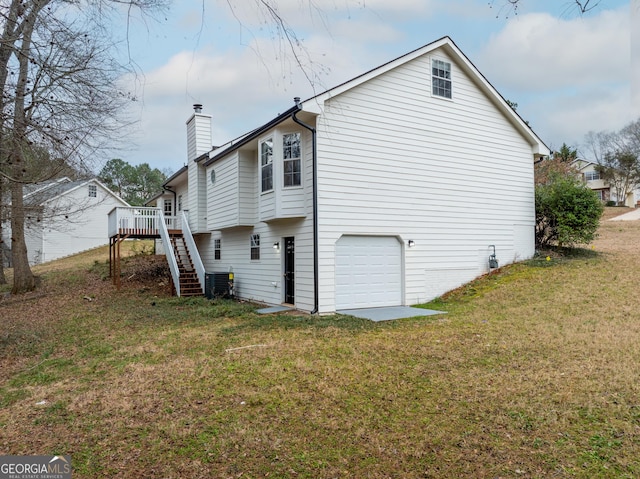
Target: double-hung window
[(441, 78), (217, 248), (291, 159), (255, 247), (266, 165)]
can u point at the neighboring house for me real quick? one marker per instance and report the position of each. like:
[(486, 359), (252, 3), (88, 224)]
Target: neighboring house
[(64, 217), (591, 177), (390, 189)]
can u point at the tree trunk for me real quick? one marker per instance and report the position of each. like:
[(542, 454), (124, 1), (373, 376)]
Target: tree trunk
[(23, 279)]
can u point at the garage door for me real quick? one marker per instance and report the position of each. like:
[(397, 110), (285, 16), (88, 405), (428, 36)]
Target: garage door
[(368, 272)]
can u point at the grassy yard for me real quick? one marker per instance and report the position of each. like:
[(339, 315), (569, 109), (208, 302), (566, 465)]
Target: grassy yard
[(534, 372)]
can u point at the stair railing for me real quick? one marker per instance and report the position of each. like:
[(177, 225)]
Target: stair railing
[(192, 249), (168, 250)]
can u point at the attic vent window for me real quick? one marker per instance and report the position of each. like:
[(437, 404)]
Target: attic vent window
[(441, 78), (93, 191)]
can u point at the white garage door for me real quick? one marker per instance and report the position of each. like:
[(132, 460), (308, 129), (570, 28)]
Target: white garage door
[(368, 272)]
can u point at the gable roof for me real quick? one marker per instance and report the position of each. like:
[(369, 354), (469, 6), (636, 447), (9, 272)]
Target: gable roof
[(40, 193), (448, 45), (314, 103)]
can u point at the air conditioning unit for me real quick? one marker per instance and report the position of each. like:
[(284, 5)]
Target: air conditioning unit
[(218, 285)]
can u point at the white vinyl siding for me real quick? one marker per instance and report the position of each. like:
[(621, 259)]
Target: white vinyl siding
[(231, 200), (262, 280), (282, 202), (452, 176), (70, 224), (198, 143)]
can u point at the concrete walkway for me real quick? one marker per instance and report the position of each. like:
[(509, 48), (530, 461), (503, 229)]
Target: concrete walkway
[(630, 216)]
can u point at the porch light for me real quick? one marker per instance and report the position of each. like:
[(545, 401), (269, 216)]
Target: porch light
[(276, 245), (411, 243)]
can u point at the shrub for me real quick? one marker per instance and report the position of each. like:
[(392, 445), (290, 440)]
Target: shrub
[(610, 203), (567, 212)]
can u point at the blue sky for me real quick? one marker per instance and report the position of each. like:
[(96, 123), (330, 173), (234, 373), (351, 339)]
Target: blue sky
[(568, 73)]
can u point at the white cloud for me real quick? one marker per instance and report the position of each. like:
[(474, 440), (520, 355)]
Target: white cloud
[(569, 76), (540, 52), (241, 89)]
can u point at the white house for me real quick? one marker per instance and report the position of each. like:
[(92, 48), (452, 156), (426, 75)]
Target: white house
[(65, 217), (390, 189), (590, 175)]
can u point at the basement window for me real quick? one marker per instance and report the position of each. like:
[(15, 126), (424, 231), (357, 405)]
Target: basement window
[(441, 78), (255, 247)]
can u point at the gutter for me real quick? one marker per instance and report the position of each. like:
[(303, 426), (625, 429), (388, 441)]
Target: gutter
[(314, 158), (175, 199)]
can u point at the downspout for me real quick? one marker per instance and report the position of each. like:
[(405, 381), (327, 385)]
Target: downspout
[(314, 158), (175, 198)]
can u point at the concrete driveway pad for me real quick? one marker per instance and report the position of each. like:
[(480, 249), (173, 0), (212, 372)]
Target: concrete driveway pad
[(389, 313)]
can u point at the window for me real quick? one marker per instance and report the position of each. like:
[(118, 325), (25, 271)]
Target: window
[(291, 159), (266, 164), (255, 246), (216, 249), (167, 208), (441, 78), (591, 176), (179, 202), (93, 191)]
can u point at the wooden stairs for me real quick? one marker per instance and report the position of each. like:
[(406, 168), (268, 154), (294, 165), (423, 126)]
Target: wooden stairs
[(189, 283)]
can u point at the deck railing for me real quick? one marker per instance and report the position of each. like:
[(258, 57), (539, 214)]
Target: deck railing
[(191, 246), (168, 250), (151, 222)]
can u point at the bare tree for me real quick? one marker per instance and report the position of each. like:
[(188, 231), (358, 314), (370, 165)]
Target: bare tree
[(618, 157), (507, 7), (58, 89)]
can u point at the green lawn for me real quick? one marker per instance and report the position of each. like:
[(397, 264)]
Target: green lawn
[(532, 373)]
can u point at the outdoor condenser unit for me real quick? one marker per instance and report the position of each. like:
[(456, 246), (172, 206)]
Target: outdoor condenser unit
[(218, 285)]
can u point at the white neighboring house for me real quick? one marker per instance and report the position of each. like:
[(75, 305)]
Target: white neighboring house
[(390, 189), (65, 217), (591, 177)]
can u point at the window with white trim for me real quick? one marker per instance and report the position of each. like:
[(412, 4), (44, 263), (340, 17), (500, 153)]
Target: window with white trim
[(591, 175), (93, 191), (217, 249), (179, 202), (168, 208), (255, 247), (441, 78), (291, 159), (266, 165)]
